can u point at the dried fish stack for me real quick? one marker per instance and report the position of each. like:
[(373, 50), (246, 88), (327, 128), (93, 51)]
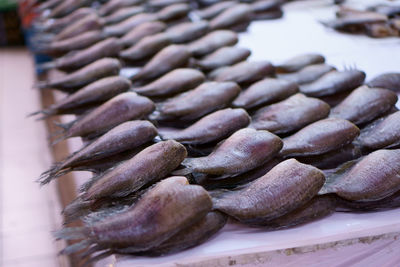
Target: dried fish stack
[(275, 145)]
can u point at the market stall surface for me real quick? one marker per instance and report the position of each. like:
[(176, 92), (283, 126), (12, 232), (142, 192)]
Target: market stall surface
[(28, 213)]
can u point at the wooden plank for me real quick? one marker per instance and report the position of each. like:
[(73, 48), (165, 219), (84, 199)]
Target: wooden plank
[(66, 187)]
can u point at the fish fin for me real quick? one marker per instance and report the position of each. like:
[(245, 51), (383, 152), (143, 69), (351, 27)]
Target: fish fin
[(182, 172), (76, 209)]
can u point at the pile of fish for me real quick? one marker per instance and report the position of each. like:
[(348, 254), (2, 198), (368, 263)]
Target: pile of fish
[(200, 134), (377, 21)]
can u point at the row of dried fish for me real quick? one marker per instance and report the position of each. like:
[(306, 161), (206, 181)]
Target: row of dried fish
[(377, 21), (179, 215), (86, 26), (267, 141)]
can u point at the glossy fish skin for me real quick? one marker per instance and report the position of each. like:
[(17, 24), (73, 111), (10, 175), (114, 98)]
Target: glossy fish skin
[(106, 48), (243, 151), (298, 62), (168, 59), (77, 42), (374, 177), (334, 82), (148, 166), (286, 187), (126, 136), (138, 33), (205, 98), (290, 114), (389, 81), (384, 133), (175, 81), (71, 82), (211, 42), (246, 72), (224, 56), (307, 74), (166, 209), (127, 25), (114, 5), (193, 235), (317, 208), (174, 11), (263, 92), (215, 9), (320, 137), (210, 128), (96, 92), (122, 14), (88, 23), (187, 31), (121, 108), (231, 16), (364, 104), (332, 159), (146, 47)]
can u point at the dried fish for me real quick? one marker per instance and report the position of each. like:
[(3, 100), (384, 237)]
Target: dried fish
[(290, 115), (211, 128), (365, 104), (263, 92), (320, 137), (288, 186)]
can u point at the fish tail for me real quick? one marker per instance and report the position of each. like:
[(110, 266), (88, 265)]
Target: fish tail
[(327, 189), (65, 126), (45, 112), (47, 66), (76, 209), (57, 140), (89, 183), (76, 247), (55, 171), (42, 85), (63, 133), (72, 233), (98, 257)]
